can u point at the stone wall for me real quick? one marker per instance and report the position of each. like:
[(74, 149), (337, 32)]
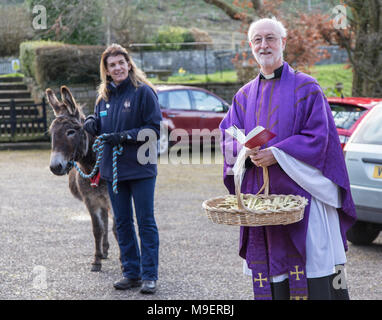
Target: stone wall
[(210, 61), (223, 90), (193, 61), (337, 55)]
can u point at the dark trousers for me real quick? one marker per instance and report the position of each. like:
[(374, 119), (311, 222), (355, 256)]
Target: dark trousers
[(136, 262), (318, 289)]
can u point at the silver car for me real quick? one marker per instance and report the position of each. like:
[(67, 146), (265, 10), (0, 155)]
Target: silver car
[(363, 156)]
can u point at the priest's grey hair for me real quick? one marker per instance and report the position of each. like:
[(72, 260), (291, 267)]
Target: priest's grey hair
[(278, 24)]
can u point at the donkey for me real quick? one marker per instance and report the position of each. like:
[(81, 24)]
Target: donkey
[(70, 142)]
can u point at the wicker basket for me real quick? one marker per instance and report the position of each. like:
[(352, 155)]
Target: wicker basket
[(243, 216)]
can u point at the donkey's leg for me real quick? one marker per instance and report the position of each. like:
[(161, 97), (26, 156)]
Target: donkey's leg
[(105, 240), (98, 230)]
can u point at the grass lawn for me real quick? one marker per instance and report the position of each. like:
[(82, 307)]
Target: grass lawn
[(326, 75), (11, 75)]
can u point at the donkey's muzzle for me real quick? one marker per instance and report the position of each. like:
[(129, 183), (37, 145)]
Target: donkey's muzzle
[(58, 164), (58, 169)]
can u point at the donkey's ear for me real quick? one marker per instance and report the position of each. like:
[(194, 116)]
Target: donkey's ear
[(54, 103), (69, 101)]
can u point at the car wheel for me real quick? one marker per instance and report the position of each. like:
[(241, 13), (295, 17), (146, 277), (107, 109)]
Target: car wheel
[(163, 143), (362, 233)]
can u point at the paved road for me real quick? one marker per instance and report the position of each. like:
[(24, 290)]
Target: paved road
[(47, 242)]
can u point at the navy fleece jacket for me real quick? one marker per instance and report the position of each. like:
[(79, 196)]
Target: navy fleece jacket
[(129, 109)]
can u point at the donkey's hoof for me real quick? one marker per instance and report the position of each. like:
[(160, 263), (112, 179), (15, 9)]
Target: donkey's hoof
[(96, 267), (104, 256)]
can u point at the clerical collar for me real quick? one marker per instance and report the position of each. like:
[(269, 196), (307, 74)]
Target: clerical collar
[(275, 75)]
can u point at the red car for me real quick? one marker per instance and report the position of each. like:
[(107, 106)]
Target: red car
[(191, 109), (348, 112), (187, 111)]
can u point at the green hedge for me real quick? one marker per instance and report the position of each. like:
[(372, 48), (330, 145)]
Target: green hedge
[(168, 37), (58, 63), (28, 55)]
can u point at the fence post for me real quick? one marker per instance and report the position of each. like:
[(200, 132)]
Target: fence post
[(13, 119), (141, 56)]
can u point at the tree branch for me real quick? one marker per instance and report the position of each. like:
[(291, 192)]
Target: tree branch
[(231, 12), (257, 5)]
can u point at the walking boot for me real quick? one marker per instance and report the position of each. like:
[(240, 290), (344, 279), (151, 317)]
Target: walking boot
[(126, 283), (148, 287)]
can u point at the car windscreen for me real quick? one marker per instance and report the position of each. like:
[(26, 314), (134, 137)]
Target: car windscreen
[(370, 131), (346, 115), (179, 99)]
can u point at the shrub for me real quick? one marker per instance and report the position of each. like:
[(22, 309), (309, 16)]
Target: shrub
[(28, 55), (168, 38), (200, 36), (67, 64)]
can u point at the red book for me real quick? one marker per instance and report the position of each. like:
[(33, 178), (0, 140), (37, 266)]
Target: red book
[(256, 137)]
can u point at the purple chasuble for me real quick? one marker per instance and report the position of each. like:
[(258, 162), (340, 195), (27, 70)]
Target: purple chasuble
[(296, 110)]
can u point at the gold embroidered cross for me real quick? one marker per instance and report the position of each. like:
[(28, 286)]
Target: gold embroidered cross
[(299, 298), (260, 279), (297, 273)]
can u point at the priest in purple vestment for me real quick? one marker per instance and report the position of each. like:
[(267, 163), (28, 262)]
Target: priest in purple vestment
[(303, 260)]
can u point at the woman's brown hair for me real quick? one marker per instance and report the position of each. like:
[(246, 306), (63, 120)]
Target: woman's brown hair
[(136, 75)]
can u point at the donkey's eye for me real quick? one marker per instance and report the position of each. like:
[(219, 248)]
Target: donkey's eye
[(70, 132)]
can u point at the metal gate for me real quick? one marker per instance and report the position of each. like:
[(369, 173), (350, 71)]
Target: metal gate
[(23, 122)]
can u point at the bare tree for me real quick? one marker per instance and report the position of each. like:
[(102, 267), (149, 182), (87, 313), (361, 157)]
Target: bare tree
[(304, 41), (75, 21), (122, 23), (234, 13), (362, 39)]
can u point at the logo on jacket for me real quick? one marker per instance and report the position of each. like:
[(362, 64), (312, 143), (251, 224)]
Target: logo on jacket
[(126, 104)]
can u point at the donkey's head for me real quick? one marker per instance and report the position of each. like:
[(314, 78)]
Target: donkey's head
[(69, 140)]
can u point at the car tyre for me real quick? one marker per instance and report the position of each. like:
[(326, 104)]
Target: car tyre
[(362, 233)]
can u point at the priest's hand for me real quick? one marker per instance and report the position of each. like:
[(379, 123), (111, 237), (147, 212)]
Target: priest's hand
[(263, 158), (252, 152)]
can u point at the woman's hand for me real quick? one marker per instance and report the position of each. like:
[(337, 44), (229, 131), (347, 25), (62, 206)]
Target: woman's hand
[(90, 125), (262, 158)]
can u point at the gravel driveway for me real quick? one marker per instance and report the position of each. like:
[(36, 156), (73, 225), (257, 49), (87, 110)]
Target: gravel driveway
[(47, 240)]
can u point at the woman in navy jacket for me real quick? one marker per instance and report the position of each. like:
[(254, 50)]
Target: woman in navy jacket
[(127, 109)]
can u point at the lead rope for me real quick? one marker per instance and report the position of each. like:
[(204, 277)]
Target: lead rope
[(98, 147)]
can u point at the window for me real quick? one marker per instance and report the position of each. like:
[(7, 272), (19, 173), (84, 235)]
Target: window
[(346, 116), (162, 98), (206, 102), (371, 131), (179, 99)]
